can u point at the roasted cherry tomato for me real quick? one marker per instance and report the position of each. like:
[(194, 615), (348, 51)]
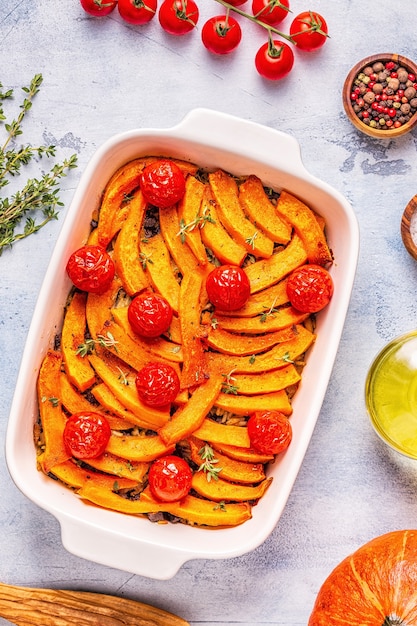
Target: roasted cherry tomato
[(91, 269), (270, 12), (274, 60), (86, 435), (178, 17), (162, 183), (269, 432), (137, 11), (309, 30), (157, 384), (170, 478), (149, 314), (310, 288), (221, 34), (228, 287), (98, 8)]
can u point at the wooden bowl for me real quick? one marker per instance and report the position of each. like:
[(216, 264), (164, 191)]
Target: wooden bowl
[(348, 88), (408, 224)]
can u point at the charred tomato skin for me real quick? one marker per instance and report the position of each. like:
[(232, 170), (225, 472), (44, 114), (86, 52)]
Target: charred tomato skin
[(170, 478), (310, 288), (162, 183), (149, 314), (157, 384), (270, 432), (91, 269), (86, 435), (228, 287)]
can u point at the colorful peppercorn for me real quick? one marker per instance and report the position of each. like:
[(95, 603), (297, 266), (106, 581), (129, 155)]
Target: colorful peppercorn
[(384, 95)]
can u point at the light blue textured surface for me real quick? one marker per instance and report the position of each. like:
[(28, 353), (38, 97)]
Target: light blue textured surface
[(102, 77)]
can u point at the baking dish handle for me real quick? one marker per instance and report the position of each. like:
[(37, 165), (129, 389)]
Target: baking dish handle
[(254, 141)]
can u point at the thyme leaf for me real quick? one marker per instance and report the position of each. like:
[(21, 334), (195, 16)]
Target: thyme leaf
[(208, 465)]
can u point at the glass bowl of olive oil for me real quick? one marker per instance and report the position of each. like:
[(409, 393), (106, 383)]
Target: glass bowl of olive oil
[(391, 394)]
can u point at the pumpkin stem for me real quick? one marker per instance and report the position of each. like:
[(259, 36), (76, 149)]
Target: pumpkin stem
[(393, 620)]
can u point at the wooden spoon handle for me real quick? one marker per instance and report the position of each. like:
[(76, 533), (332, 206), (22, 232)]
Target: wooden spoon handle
[(25, 606)]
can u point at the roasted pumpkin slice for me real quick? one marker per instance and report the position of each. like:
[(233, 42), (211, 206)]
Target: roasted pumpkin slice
[(71, 398), (126, 249), (275, 358), (191, 415), (116, 466), (267, 272), (191, 218), (120, 186), (232, 470), (215, 236), (271, 323), (194, 371), (157, 348), (222, 491), (262, 212), (118, 416), (78, 369), (75, 476), (139, 448), (214, 432), (122, 386), (266, 382), (50, 410), (160, 269), (226, 194), (245, 405), (248, 455), (241, 345), (306, 226), (262, 303), (98, 309), (191, 509)]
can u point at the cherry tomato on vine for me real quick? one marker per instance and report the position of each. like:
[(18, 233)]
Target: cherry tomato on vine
[(274, 60), (91, 269), (269, 432), (149, 314), (86, 435), (98, 8), (236, 3), (309, 30), (162, 183), (137, 11), (157, 384), (170, 478), (178, 17), (228, 287), (221, 34), (271, 12), (310, 288)]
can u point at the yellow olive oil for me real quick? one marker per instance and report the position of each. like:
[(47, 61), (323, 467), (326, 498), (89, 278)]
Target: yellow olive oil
[(391, 394)]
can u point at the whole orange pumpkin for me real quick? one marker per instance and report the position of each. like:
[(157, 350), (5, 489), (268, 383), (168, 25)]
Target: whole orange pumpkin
[(375, 586)]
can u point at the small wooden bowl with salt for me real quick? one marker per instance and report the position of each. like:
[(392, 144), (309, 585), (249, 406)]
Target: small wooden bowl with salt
[(409, 227)]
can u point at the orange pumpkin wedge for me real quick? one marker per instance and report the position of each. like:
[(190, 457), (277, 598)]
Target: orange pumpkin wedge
[(191, 219), (194, 371), (139, 448), (214, 432), (306, 226), (240, 345), (75, 476), (261, 211), (50, 409), (126, 255), (226, 194), (78, 369), (216, 238), (267, 272), (160, 269)]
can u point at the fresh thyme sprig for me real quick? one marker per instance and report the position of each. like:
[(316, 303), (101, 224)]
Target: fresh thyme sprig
[(208, 466), (38, 196), (228, 384), (198, 222), (269, 312), (104, 341)]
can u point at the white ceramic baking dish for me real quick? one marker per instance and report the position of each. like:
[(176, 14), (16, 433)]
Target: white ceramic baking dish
[(133, 544)]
